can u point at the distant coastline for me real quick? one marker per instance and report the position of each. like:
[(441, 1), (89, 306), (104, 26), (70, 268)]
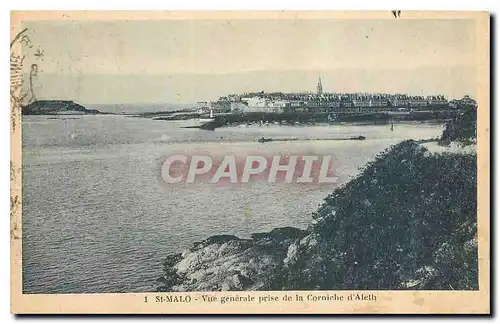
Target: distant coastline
[(308, 118), (239, 118)]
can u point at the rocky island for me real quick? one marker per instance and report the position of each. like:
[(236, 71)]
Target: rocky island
[(57, 107), (407, 221)]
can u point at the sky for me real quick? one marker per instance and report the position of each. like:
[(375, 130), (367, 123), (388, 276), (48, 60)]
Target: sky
[(185, 61)]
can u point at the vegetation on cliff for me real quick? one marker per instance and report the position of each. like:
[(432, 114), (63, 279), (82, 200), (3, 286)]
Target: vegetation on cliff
[(463, 127), (407, 221)]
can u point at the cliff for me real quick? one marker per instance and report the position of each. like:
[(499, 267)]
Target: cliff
[(55, 107), (408, 221)]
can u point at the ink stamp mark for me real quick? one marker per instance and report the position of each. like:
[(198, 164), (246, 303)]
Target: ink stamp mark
[(25, 56)]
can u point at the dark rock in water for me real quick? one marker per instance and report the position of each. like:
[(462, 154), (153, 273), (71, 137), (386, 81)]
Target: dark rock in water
[(52, 107), (264, 140)]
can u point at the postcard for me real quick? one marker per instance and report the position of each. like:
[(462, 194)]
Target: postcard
[(250, 162)]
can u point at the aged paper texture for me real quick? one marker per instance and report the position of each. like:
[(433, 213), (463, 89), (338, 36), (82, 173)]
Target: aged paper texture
[(250, 162)]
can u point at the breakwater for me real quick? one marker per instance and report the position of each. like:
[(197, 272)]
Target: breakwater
[(352, 138), (311, 118)]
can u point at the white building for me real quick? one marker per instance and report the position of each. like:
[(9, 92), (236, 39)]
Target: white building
[(258, 104)]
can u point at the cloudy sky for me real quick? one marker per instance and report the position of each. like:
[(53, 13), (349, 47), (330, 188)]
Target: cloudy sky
[(184, 61)]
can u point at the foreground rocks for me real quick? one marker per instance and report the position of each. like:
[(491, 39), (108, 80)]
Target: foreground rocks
[(226, 262)]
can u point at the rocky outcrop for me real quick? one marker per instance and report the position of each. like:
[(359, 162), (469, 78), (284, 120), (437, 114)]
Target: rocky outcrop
[(407, 221), (226, 262), (52, 107)]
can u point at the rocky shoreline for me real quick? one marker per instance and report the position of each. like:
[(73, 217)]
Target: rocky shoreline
[(310, 118), (226, 262)]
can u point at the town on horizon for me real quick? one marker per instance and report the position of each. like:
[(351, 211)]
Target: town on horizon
[(327, 102)]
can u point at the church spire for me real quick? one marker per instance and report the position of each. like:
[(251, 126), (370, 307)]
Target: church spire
[(319, 87)]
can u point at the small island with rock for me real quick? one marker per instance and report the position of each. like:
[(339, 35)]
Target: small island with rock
[(57, 107)]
